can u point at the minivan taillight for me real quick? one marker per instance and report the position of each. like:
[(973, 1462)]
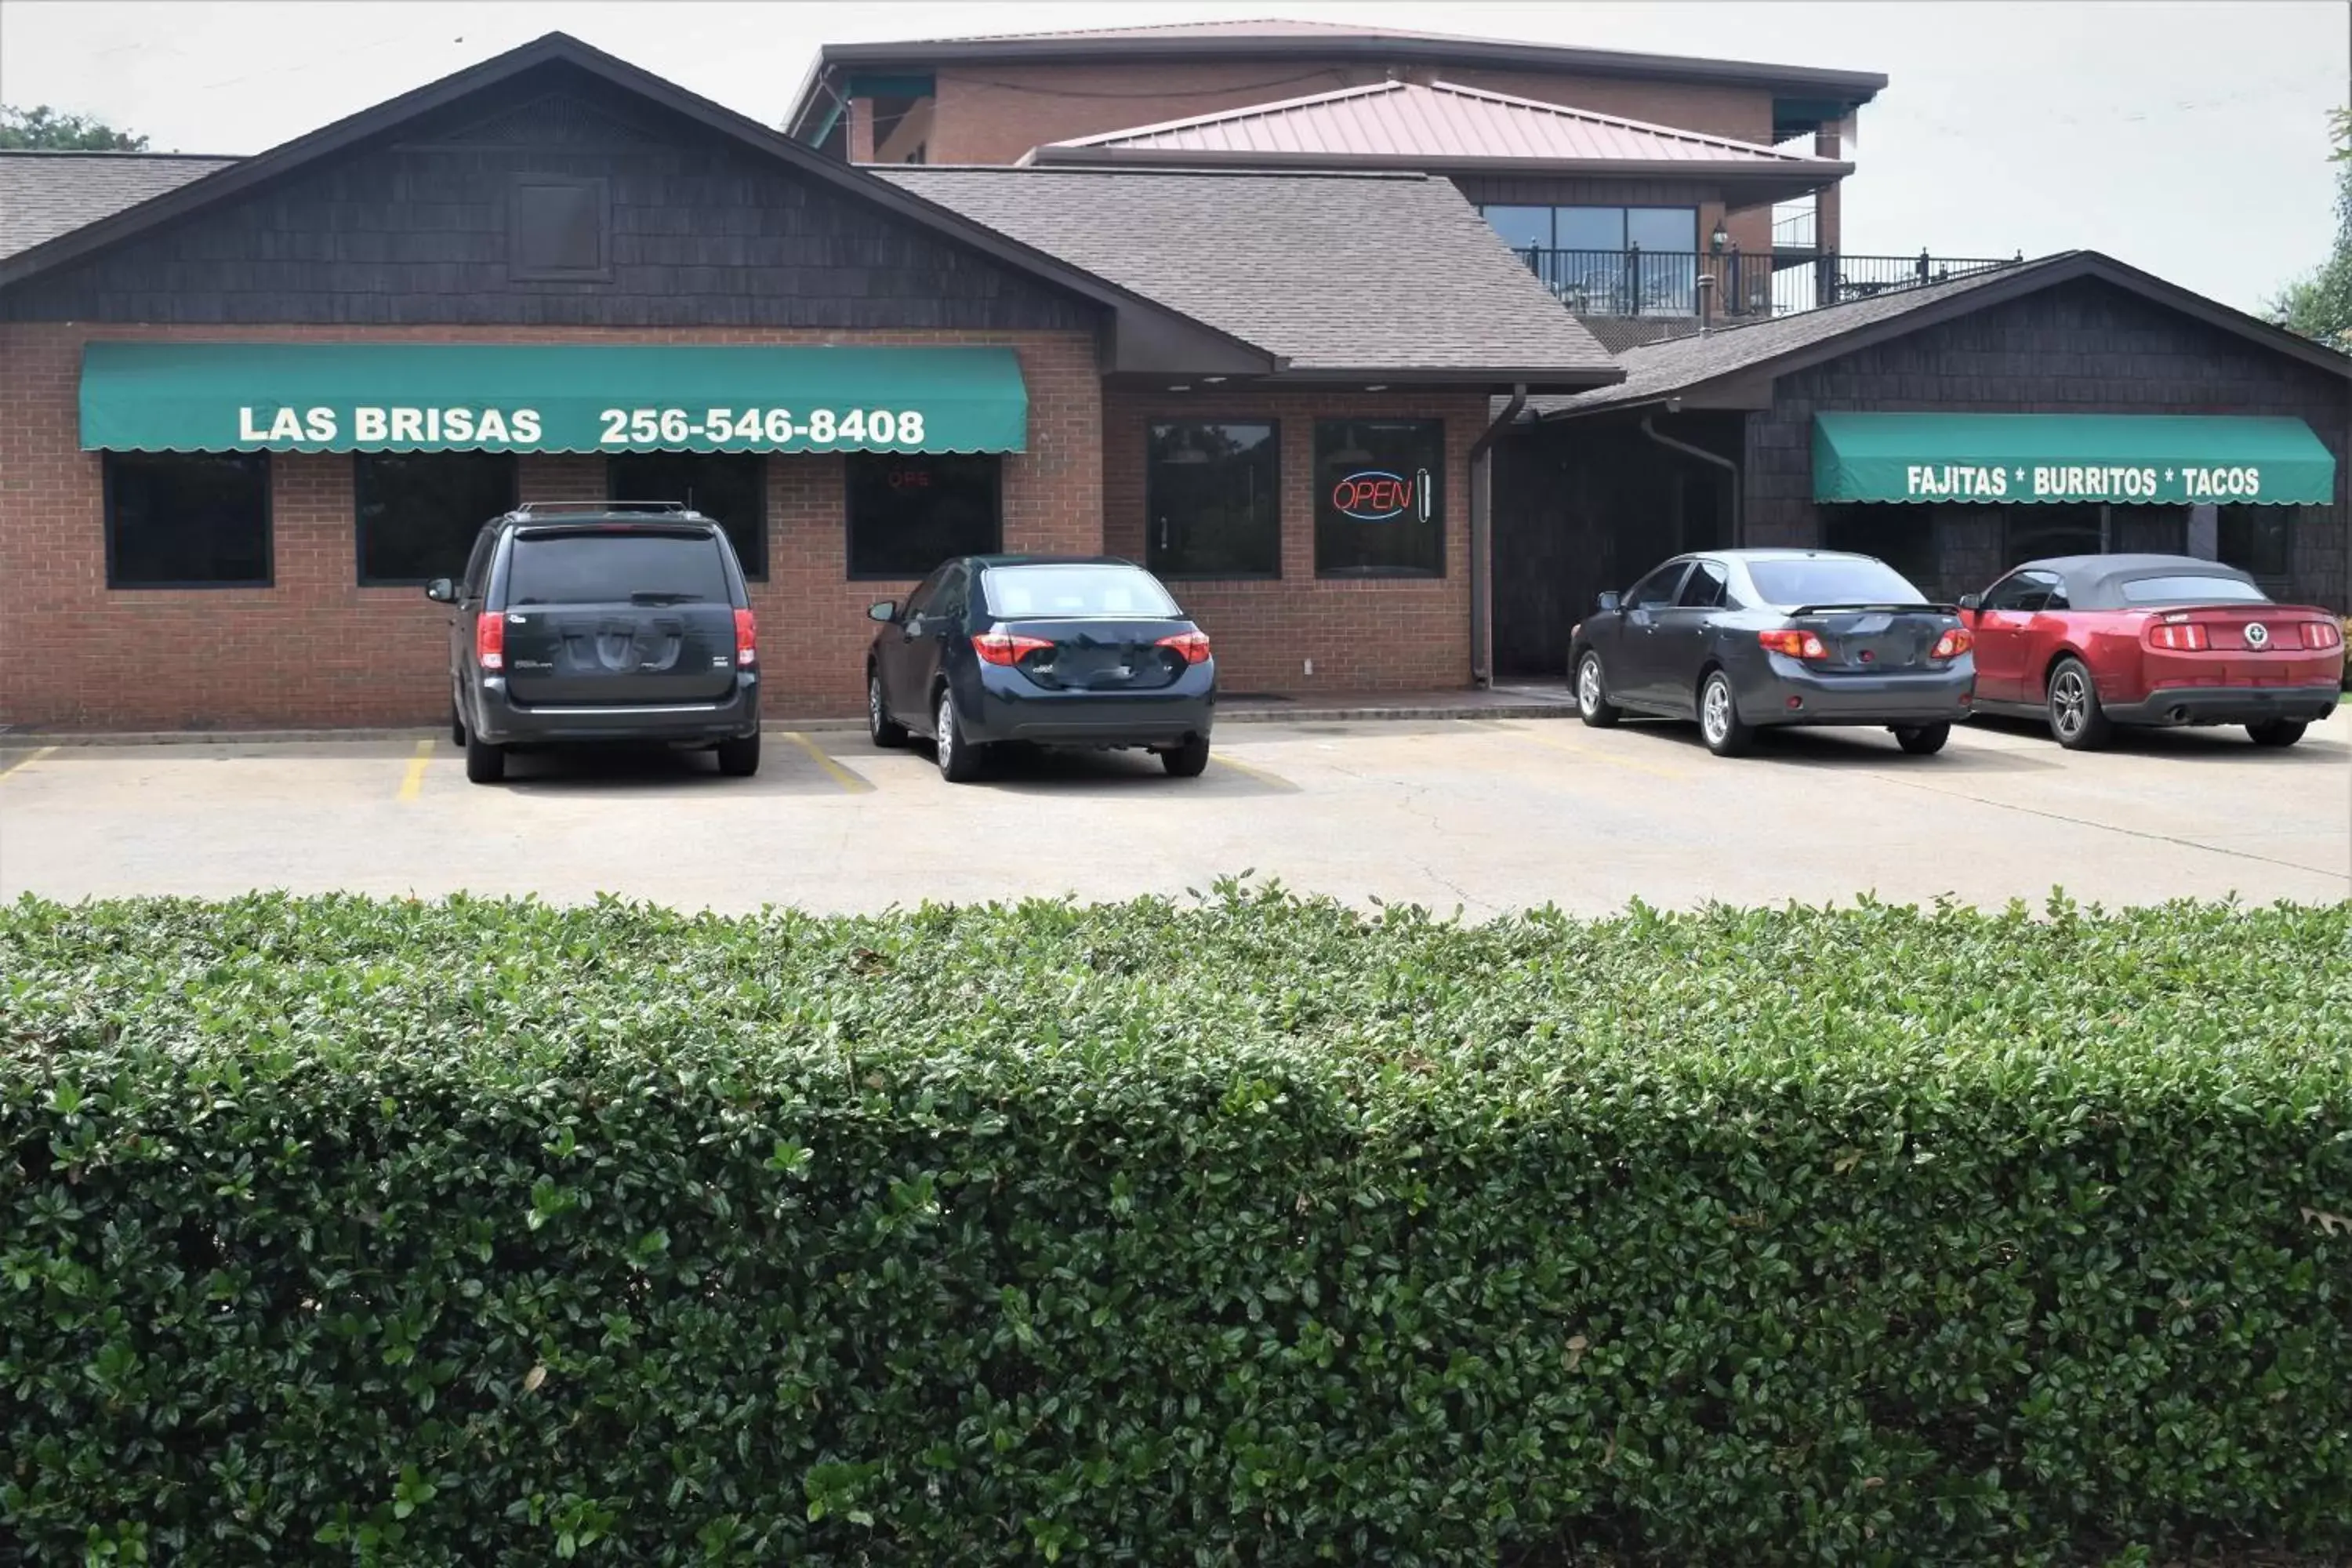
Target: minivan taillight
[(1192, 647), (747, 639), (490, 641)]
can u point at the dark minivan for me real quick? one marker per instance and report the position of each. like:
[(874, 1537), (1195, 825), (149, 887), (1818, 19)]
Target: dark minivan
[(1051, 650), (602, 621)]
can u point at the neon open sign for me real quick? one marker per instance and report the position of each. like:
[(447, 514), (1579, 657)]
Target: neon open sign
[(1373, 495)]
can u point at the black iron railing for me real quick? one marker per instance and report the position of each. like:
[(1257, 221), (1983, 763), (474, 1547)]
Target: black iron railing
[(1729, 286)]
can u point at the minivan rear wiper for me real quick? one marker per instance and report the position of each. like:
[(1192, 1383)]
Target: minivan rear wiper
[(655, 596)]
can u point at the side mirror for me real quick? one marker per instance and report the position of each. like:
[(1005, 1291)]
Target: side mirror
[(441, 590), (1609, 603), (1973, 601), (883, 610)]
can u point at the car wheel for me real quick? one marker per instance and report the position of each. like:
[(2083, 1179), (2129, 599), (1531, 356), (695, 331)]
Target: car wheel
[(958, 758), (1922, 739), (2075, 717), (2276, 731), (484, 764), (1188, 761), (456, 725), (1593, 704), (740, 758), (1720, 724), (880, 728)]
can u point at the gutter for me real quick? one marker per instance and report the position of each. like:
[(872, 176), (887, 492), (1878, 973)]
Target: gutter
[(1739, 523), (1482, 560)]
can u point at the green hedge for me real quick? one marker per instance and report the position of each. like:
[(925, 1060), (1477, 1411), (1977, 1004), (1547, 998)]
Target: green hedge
[(1251, 1232)]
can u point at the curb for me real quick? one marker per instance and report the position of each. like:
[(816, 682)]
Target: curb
[(1266, 715)]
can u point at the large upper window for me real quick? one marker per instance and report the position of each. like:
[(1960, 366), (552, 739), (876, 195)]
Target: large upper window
[(729, 488), (2257, 539), (419, 511), (907, 514), (1212, 499), (1609, 261), (187, 520), (1379, 498)]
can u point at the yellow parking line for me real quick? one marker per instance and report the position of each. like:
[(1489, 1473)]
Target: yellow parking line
[(840, 775), (1589, 754), (413, 780), (1260, 775), (27, 760)]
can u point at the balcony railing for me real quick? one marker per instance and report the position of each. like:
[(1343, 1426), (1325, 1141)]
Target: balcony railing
[(1728, 286)]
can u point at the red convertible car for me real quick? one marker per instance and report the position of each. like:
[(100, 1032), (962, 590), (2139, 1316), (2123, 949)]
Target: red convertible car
[(2092, 641)]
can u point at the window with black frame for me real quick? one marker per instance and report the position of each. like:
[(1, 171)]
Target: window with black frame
[(1212, 498), (2257, 539), (910, 512), (1379, 498), (418, 513), (729, 488), (1904, 537), (187, 520)]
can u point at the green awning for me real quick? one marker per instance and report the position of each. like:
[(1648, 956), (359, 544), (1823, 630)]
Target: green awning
[(427, 398), (2133, 460)]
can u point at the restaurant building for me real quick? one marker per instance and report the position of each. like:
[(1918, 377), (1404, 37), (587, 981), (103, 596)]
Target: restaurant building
[(248, 406)]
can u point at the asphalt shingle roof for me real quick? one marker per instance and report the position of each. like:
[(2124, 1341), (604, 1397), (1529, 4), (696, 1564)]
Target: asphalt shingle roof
[(1333, 271), (45, 194)]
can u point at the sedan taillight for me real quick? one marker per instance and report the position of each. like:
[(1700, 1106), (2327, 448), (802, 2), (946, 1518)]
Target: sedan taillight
[(1794, 643), (490, 641), (2321, 634), (997, 645), (1192, 647), (1954, 643)]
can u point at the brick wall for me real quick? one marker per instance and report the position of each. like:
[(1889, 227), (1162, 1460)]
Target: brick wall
[(2081, 347), (315, 648), (1364, 634)]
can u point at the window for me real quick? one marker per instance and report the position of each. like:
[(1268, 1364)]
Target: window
[(1902, 536), (187, 520), (1379, 498), (600, 565), (2021, 593), (1656, 590), (2152, 591), (477, 566), (1522, 228), (1585, 255), (1706, 587), (729, 488), (1212, 499), (907, 514), (558, 230), (418, 511), (2257, 539), (1831, 579), (2042, 533), (1080, 591)]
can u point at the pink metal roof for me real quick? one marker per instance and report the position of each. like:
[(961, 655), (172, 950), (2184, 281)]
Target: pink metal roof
[(1437, 123)]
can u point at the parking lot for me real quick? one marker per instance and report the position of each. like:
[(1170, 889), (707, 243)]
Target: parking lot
[(1487, 814)]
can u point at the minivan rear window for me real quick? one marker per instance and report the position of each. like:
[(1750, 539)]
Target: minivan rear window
[(1853, 580), (1050, 592), (588, 566)]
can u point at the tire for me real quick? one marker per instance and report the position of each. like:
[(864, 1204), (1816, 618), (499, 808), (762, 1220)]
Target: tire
[(880, 728), (1922, 739), (958, 759), (2276, 731), (484, 764), (740, 758), (456, 725), (1720, 724), (1593, 704), (1188, 761), (2076, 720)]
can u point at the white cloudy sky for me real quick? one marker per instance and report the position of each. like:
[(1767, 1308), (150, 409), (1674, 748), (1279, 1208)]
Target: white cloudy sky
[(2189, 139)]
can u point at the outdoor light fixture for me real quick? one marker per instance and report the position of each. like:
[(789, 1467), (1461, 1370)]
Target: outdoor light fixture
[(1718, 240)]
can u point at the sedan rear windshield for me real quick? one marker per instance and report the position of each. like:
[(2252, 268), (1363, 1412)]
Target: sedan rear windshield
[(1831, 581), (602, 566), (2191, 590), (1051, 593)]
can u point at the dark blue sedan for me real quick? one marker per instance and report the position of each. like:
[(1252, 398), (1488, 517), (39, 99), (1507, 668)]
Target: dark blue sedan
[(1052, 651)]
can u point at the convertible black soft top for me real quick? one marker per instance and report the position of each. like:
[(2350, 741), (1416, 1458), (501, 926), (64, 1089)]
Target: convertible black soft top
[(2096, 581)]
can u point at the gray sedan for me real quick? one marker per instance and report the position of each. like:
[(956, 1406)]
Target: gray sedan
[(1740, 639)]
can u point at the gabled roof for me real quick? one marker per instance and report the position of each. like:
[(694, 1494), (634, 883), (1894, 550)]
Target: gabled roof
[(373, 126), (1441, 125), (1680, 366), (1283, 39), (1350, 277), (44, 194)]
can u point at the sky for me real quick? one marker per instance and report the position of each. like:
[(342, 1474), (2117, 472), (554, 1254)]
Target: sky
[(2186, 139)]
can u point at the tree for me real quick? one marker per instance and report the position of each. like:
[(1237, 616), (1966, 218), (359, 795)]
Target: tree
[(2320, 306), (43, 127)]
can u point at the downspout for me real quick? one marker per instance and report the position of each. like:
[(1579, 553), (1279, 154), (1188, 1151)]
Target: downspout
[(1482, 559), (1739, 529)]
